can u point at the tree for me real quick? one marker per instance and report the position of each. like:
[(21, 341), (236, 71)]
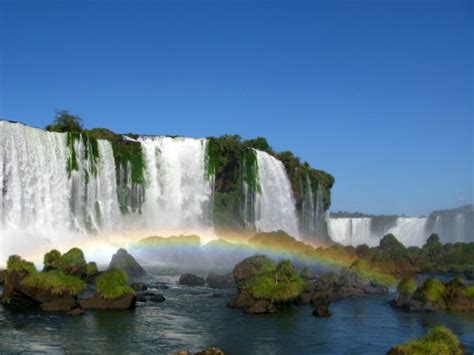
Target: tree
[(65, 122)]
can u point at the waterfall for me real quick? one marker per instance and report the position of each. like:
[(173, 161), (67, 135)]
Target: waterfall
[(352, 231), (411, 231), (35, 184), (178, 195), (275, 205)]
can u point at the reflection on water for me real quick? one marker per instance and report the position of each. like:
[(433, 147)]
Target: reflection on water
[(195, 318)]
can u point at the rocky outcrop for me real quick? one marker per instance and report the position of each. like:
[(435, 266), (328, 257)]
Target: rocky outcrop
[(139, 286), (18, 294), (127, 301), (215, 280), (188, 279), (433, 295), (321, 306), (124, 261)]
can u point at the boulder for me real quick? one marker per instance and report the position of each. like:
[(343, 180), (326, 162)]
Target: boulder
[(261, 307), (241, 300), (63, 303), (305, 298), (76, 312), (215, 280), (124, 261), (251, 266), (127, 301), (322, 311), (150, 297), (209, 351), (188, 279)]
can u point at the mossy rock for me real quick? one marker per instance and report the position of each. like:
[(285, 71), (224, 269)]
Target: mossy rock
[(73, 262), (16, 263), (407, 286), (56, 282), (112, 284), (126, 262), (439, 340), (431, 291), (52, 260)]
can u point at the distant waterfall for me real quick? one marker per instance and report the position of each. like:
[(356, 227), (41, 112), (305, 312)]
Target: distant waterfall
[(313, 216), (410, 231), (275, 205), (352, 231), (177, 193)]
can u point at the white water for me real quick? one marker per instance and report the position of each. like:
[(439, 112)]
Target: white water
[(355, 231), (275, 205), (177, 194), (352, 231)]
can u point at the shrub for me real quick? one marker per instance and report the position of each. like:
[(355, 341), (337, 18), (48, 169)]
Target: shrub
[(407, 286), (16, 263), (57, 282), (52, 260), (112, 284), (65, 122), (470, 291), (439, 340)]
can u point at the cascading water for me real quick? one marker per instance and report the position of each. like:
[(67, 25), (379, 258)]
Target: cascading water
[(313, 216), (410, 231), (275, 205), (178, 194), (352, 231)]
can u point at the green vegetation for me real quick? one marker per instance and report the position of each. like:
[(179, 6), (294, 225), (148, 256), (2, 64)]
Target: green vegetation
[(57, 282), (407, 286), (439, 340), (470, 291), (275, 283), (73, 258), (432, 290), (65, 122), (90, 153), (112, 284), (91, 269), (52, 260), (16, 264)]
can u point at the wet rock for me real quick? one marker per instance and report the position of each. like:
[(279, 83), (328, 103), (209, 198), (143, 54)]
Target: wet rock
[(261, 307), (63, 303), (127, 301), (305, 298), (191, 280), (139, 286), (150, 297), (209, 351), (241, 300), (322, 311), (124, 261), (215, 280), (76, 312)]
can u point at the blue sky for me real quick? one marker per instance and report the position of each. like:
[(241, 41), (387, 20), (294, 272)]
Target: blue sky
[(378, 93)]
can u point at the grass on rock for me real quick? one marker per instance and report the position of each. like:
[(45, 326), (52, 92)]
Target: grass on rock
[(112, 284)]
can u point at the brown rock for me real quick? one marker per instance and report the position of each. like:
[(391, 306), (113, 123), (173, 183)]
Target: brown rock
[(210, 351), (63, 303), (76, 312), (191, 280), (322, 311), (242, 300), (262, 307), (97, 302)]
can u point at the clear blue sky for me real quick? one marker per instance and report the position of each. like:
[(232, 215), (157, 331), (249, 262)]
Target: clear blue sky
[(378, 93)]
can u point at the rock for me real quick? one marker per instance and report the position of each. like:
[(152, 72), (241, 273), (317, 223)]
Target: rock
[(307, 274), (261, 307), (3, 276), (76, 312), (150, 297), (63, 303), (127, 263), (127, 301), (249, 267), (241, 300), (209, 351), (305, 298), (220, 281), (191, 280), (139, 286), (322, 311)]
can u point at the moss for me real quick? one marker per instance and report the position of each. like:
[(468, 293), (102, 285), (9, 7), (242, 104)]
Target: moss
[(432, 290), (74, 257), (91, 153), (250, 175), (281, 284), (407, 286), (57, 282), (470, 291), (16, 263), (112, 284), (439, 340), (91, 269), (52, 260)]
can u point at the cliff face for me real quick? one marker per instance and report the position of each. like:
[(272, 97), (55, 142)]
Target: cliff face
[(223, 181)]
